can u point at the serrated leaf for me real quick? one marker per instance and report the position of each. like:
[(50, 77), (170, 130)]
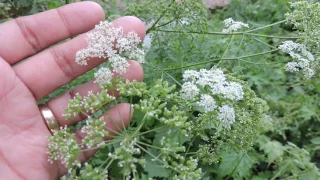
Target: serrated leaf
[(235, 165), (155, 168)]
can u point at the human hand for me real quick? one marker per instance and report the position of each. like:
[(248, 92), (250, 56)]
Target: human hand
[(23, 132)]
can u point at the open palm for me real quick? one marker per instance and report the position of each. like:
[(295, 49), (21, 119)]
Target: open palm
[(30, 69)]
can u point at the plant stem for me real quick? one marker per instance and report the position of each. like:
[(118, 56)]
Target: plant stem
[(234, 58), (163, 12), (227, 34), (269, 25), (152, 130), (226, 49), (155, 147), (156, 158)]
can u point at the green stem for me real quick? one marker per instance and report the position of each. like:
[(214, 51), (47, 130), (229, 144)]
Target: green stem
[(152, 130), (256, 39), (161, 25), (108, 165), (156, 158), (269, 25), (140, 126), (227, 34), (213, 60), (226, 49), (163, 12), (172, 77), (155, 147), (187, 151), (105, 162)]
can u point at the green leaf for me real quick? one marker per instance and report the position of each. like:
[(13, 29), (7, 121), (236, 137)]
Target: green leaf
[(235, 165), (273, 149), (316, 140), (155, 168), (309, 176)]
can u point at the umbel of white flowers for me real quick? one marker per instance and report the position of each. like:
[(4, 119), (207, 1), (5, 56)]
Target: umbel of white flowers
[(112, 43), (196, 82), (303, 58), (233, 26)]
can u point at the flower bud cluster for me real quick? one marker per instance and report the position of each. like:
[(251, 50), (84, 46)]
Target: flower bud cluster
[(87, 104), (87, 172), (206, 154), (95, 133), (176, 118), (151, 107), (163, 90), (130, 89), (124, 153), (170, 150), (306, 19), (189, 170)]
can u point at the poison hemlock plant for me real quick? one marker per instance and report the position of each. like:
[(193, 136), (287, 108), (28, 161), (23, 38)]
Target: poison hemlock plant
[(174, 130)]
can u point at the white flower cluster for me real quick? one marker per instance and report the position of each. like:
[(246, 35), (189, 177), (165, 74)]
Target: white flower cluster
[(103, 76), (233, 26), (207, 102), (107, 41), (227, 115), (216, 82), (64, 147), (303, 58)]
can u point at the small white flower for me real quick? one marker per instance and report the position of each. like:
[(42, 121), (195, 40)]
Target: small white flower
[(137, 55), (292, 67), (308, 73), (189, 90), (119, 64), (207, 102), (190, 75), (103, 76), (227, 116), (303, 58), (233, 26), (210, 77), (111, 42), (230, 90), (234, 91)]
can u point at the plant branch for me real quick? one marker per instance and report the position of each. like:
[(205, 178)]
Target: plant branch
[(213, 60)]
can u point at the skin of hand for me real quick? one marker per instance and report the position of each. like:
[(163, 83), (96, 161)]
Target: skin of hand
[(32, 65)]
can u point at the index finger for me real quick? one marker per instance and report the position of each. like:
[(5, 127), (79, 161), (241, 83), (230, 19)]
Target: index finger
[(25, 36)]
